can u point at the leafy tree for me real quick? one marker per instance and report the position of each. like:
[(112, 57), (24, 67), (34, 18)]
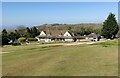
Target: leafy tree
[(97, 31), (88, 30), (110, 27)]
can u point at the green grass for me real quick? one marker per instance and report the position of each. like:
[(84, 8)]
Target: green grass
[(35, 60), (55, 42), (108, 43)]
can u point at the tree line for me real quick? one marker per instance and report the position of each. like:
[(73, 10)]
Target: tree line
[(20, 32), (109, 29)]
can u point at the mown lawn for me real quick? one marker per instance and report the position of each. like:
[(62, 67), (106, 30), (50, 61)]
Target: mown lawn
[(35, 60)]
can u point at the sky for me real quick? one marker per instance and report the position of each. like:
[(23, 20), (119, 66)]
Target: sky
[(60, 0), (38, 13)]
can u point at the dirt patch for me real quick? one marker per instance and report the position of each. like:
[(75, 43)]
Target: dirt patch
[(3, 52)]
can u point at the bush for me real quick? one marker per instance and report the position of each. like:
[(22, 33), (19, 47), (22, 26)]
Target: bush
[(16, 44), (22, 39), (32, 39)]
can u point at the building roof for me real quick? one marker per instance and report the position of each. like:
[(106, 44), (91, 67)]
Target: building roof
[(60, 34), (55, 34), (93, 35)]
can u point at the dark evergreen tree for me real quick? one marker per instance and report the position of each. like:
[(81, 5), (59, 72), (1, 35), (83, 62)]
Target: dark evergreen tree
[(34, 31), (12, 36), (4, 32), (5, 38), (28, 32), (0, 39), (17, 34), (110, 27)]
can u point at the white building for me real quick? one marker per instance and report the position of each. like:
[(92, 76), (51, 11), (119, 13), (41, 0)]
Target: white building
[(63, 35), (55, 35), (93, 37)]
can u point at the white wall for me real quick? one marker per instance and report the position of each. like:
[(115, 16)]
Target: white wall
[(45, 40), (93, 39), (68, 39), (78, 39)]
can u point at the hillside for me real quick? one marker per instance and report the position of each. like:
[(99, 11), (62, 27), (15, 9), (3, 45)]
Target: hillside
[(66, 26), (76, 28)]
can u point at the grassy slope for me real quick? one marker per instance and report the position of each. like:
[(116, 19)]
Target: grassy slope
[(60, 60)]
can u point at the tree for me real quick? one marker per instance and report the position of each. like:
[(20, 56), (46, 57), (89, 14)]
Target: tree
[(21, 30), (88, 30), (118, 34), (110, 27), (34, 31), (21, 27), (5, 38), (12, 36), (0, 39), (97, 31), (17, 34), (4, 32), (28, 32)]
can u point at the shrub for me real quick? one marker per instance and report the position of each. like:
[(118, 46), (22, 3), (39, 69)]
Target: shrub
[(16, 44), (32, 39), (22, 39)]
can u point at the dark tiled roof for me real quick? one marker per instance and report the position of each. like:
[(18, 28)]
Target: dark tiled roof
[(55, 34)]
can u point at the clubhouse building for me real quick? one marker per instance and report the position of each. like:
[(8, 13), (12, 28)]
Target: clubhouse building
[(63, 36)]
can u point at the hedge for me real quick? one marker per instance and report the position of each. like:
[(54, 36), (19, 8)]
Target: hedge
[(16, 44), (32, 39), (22, 39)]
